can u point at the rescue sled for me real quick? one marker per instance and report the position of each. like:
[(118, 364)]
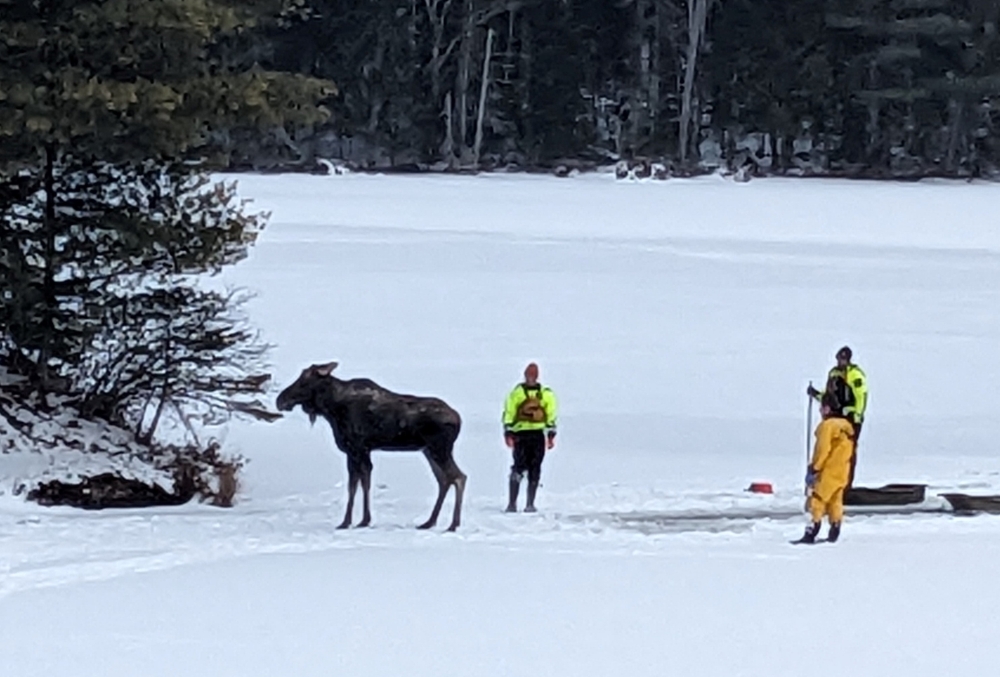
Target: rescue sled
[(892, 498), (890, 494), (970, 505)]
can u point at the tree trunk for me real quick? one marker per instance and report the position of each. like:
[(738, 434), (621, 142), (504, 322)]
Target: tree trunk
[(462, 83), (697, 15), (147, 436), (484, 86), (437, 14), (48, 277), (448, 148), (525, 75), (872, 142), (642, 122), (165, 391), (956, 115), (376, 92), (654, 75)]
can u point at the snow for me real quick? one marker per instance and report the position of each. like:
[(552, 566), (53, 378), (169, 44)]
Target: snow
[(679, 322), (59, 446)]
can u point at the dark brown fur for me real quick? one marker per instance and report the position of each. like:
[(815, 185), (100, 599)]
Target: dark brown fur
[(365, 416)]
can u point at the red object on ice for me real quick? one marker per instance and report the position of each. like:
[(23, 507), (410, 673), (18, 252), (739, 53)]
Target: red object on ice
[(761, 488)]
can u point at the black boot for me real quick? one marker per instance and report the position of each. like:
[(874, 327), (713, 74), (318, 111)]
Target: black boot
[(834, 533), (513, 488), (810, 535), (532, 489)]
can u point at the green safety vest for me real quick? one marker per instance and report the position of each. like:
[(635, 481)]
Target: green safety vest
[(530, 408)]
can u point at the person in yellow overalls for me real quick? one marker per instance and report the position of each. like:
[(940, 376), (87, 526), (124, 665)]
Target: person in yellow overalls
[(529, 424), (847, 381), (829, 470)]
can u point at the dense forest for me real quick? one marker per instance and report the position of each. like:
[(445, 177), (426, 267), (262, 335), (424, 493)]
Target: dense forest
[(850, 87)]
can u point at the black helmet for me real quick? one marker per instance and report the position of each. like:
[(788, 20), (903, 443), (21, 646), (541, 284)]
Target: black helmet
[(845, 353)]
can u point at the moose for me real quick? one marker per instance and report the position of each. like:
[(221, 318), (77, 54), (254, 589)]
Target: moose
[(365, 416)]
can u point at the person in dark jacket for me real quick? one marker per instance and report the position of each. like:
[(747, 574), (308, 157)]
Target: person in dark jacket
[(849, 384)]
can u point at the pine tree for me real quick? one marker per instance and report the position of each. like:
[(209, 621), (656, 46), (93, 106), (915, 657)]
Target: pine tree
[(110, 117), (100, 102)]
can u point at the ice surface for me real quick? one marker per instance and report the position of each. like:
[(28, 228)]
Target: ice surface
[(679, 322)]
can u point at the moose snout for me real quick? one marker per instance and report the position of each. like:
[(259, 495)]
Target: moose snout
[(284, 403)]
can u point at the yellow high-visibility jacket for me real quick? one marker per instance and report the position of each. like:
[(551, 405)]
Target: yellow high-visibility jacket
[(515, 421), (832, 456), (857, 382)]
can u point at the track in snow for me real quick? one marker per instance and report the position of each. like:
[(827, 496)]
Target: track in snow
[(47, 547)]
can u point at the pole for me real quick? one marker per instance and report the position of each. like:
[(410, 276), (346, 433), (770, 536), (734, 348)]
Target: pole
[(809, 426)]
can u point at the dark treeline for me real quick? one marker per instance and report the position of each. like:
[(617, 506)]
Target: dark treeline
[(856, 87)]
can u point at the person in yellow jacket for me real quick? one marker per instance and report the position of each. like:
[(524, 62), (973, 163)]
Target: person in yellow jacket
[(829, 470), (529, 424), (848, 382)]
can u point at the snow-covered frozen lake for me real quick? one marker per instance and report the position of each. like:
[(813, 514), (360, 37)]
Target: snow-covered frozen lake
[(679, 323)]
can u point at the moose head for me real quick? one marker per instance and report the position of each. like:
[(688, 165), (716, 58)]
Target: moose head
[(303, 391)]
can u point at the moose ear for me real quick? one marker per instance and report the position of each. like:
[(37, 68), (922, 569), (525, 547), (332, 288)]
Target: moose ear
[(325, 369)]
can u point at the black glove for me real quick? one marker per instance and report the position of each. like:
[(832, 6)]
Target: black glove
[(812, 392)]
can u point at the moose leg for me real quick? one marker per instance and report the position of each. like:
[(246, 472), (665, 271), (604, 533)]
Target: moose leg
[(456, 477), (366, 485), (442, 481), (352, 488)]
